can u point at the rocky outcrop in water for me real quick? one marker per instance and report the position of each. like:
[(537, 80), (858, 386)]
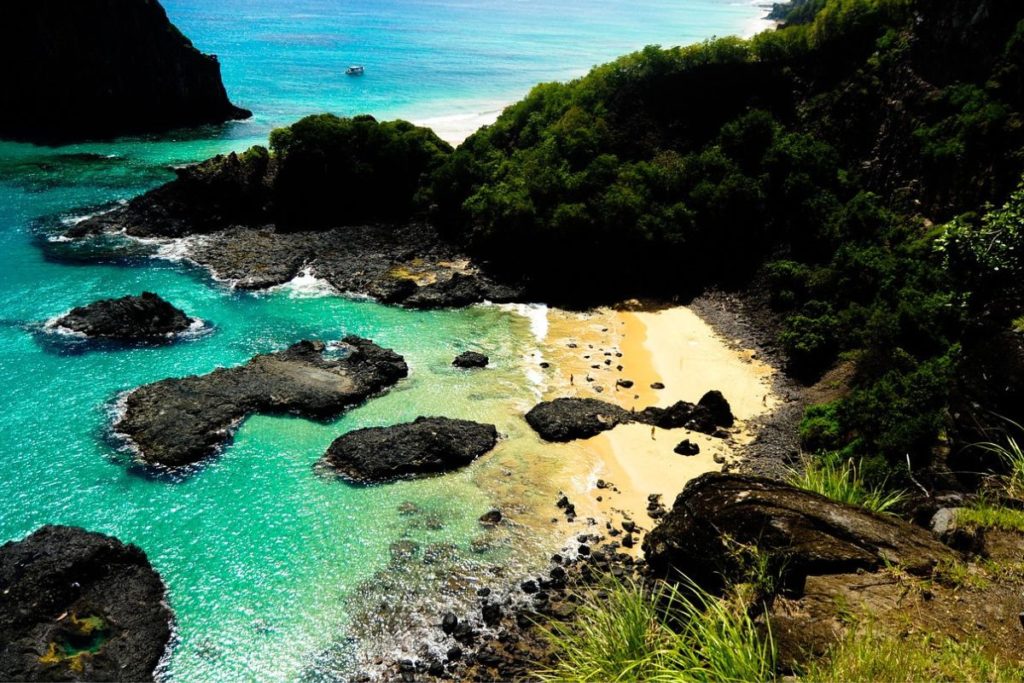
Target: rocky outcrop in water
[(717, 517), (429, 445), (101, 68), (77, 605), (176, 422), (131, 318), (568, 419), (471, 359)]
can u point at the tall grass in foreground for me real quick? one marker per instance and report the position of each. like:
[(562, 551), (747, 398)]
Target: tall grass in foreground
[(1013, 458), (869, 654), (841, 481), (669, 634)]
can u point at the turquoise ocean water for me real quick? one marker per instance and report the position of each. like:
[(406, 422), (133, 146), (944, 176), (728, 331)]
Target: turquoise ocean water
[(265, 561)]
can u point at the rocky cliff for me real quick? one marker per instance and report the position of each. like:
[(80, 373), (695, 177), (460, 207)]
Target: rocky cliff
[(100, 68)]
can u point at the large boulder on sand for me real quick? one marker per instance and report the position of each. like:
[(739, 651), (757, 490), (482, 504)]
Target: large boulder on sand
[(176, 422), (77, 605), (131, 318), (567, 419), (716, 516), (428, 445)]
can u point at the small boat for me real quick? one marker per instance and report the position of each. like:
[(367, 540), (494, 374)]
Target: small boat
[(355, 70)]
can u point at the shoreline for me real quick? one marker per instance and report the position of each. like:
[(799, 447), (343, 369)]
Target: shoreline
[(673, 346)]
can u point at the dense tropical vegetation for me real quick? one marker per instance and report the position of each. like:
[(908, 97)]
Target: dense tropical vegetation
[(846, 164), (857, 168)]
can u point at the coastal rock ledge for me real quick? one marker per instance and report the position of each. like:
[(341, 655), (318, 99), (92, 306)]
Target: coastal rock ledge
[(803, 532), (102, 68), (131, 318), (177, 422), (77, 605), (429, 445)]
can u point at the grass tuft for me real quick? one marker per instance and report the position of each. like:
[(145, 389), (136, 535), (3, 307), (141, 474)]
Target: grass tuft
[(631, 633), (841, 481), (985, 514), (868, 654)]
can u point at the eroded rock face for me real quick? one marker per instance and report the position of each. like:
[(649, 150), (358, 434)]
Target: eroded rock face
[(428, 445), (806, 534), (176, 422), (101, 68), (77, 605), (131, 318), (568, 419)]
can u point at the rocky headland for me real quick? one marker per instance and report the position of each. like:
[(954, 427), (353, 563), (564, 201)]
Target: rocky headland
[(428, 445), (226, 212), (146, 318), (177, 422), (77, 605), (102, 68)]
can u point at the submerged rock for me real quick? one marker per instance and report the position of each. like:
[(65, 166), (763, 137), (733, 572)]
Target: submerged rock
[(567, 419), (77, 605), (101, 68), (803, 532), (176, 422), (143, 318), (429, 445), (471, 359)]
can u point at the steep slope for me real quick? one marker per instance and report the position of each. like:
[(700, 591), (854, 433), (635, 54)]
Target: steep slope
[(97, 68)]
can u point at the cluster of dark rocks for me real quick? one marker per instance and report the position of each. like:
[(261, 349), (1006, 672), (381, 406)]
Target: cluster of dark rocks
[(568, 419), (177, 422)]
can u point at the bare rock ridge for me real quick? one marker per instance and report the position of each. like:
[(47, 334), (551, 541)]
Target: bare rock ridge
[(717, 515), (102, 68), (179, 421), (130, 318), (77, 605), (568, 419), (429, 445)]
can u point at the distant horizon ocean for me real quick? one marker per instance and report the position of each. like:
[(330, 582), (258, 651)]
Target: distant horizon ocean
[(268, 564)]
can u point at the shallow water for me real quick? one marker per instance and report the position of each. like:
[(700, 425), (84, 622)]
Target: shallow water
[(261, 556)]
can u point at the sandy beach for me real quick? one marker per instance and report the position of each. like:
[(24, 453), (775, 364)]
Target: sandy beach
[(590, 352)]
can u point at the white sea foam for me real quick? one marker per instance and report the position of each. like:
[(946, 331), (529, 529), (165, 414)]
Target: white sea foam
[(455, 127), (306, 285)]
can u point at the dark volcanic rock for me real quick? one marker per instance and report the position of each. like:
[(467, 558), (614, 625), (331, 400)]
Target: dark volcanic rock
[(471, 359), (427, 446), (146, 317), (98, 68), (686, 447), (64, 590), (177, 422), (720, 410), (566, 419), (805, 533)]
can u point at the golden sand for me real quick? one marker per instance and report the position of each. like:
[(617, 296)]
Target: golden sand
[(674, 347)]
